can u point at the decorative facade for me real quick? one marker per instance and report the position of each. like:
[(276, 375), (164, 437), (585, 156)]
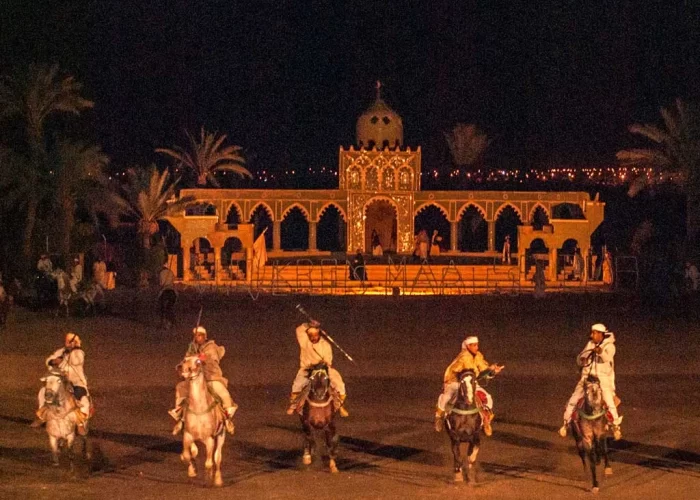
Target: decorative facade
[(379, 196)]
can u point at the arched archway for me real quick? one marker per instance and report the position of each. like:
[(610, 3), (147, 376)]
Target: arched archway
[(381, 216), (507, 225), (539, 218), (295, 230), (566, 257), (432, 218), (473, 231), (233, 217), (201, 259), (537, 250), (330, 232), (232, 251), (261, 220), (198, 209), (567, 211)]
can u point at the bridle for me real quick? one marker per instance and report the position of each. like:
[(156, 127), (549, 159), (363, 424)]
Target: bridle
[(314, 379)]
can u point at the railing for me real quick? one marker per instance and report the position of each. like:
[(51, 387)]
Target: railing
[(331, 277)]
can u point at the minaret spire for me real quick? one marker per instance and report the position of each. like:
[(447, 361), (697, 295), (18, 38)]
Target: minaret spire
[(379, 90)]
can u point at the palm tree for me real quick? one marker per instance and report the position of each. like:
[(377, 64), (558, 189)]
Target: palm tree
[(147, 197), (467, 144), (79, 176), (34, 96), (676, 158), (208, 156)]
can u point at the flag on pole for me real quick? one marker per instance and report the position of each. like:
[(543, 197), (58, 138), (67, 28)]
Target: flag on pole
[(260, 251)]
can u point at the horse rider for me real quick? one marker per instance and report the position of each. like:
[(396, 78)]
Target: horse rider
[(44, 265), (210, 354), (69, 360), (470, 358), (313, 349), (76, 274), (596, 359)]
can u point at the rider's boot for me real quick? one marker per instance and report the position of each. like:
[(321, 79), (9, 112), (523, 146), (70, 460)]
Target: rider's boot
[(439, 420), (617, 431), (81, 422), (40, 418), (564, 429), (177, 414), (486, 418), (228, 422), (341, 410), (293, 403)]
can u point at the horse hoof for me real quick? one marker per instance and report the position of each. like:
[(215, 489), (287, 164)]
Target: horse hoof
[(306, 460), (194, 451), (333, 467), (595, 490), (218, 482), (459, 477), (608, 471), (191, 472)]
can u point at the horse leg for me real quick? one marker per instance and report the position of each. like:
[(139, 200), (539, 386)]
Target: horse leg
[(604, 452), (209, 462), (186, 455), (591, 463), (457, 456), (331, 446), (471, 471), (53, 441), (308, 441), (69, 449), (217, 459)]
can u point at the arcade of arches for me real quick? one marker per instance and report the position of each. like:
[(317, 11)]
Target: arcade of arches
[(379, 200)]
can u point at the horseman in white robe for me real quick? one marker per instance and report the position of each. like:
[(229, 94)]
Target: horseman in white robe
[(69, 360), (597, 359), (314, 349), (468, 359), (76, 275), (44, 265), (210, 354)]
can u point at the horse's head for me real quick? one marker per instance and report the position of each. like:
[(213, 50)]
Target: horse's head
[(54, 386), (190, 367), (592, 392), (467, 386), (319, 382)]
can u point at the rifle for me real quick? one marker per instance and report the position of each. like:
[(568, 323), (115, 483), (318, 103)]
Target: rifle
[(324, 333)]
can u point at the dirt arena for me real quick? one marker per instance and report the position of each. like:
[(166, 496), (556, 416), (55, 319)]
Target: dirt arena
[(388, 448)]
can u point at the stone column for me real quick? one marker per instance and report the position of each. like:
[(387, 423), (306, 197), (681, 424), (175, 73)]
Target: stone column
[(553, 264), (217, 265), (312, 236), (492, 235), (276, 235), (454, 236), (186, 273)]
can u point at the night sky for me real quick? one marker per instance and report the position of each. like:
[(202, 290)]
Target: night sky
[(554, 83)]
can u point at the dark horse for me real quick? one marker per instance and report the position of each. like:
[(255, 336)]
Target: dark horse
[(590, 429), (166, 305), (318, 412), (464, 426)]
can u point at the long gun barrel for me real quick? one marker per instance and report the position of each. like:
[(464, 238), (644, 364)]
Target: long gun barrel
[(324, 333)]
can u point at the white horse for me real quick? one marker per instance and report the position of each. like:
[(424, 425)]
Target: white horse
[(66, 295), (61, 417), (204, 422)]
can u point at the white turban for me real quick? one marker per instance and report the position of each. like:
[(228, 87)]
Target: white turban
[(199, 329), (599, 327), (470, 340)]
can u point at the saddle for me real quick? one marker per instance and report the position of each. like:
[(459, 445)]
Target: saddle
[(304, 396), (576, 416)]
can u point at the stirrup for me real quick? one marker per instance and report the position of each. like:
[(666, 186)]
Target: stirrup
[(617, 432), (563, 430), (343, 412), (439, 423), (230, 428), (176, 413), (178, 427)]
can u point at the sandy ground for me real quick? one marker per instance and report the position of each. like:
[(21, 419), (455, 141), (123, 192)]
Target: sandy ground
[(388, 448)]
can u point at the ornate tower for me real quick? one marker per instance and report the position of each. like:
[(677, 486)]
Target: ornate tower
[(380, 178)]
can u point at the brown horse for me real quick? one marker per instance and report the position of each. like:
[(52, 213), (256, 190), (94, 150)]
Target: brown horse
[(464, 426), (590, 430), (204, 422), (318, 412)]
